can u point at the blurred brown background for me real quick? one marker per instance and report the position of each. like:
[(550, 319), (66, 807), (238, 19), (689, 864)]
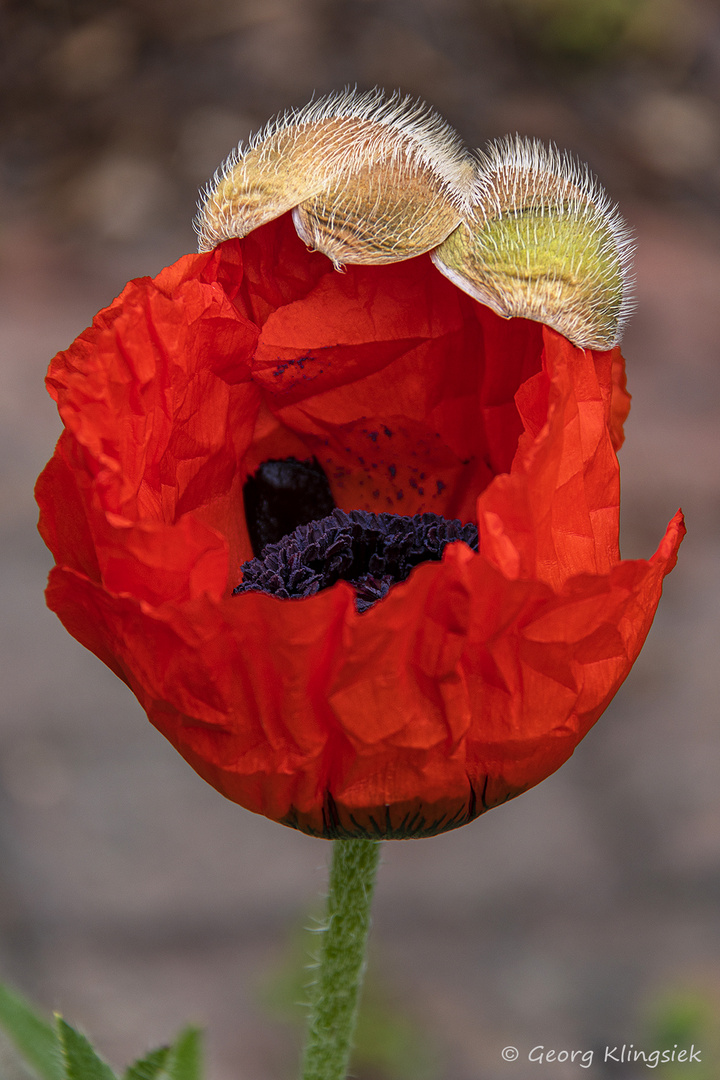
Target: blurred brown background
[(132, 897)]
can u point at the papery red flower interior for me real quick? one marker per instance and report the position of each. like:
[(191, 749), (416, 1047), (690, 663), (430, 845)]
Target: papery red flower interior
[(469, 682)]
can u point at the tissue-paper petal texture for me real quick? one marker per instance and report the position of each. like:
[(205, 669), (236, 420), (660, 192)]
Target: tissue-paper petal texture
[(472, 680)]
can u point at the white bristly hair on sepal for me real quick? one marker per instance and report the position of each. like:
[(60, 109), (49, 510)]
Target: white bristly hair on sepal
[(372, 178), (543, 242)]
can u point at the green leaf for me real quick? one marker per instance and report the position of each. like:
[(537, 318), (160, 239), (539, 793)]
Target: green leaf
[(33, 1036), (148, 1067), (185, 1060), (81, 1061)]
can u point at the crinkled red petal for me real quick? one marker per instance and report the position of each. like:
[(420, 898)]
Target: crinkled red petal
[(471, 681)]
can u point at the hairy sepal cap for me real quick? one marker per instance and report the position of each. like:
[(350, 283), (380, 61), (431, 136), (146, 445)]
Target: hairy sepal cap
[(375, 178), (370, 178), (543, 242)]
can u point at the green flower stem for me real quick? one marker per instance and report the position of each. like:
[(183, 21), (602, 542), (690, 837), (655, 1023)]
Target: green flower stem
[(342, 959)]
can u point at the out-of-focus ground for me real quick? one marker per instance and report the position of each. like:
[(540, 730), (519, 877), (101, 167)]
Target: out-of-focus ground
[(134, 898)]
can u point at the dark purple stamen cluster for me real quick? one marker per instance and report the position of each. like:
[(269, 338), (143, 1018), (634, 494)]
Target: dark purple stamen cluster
[(370, 551)]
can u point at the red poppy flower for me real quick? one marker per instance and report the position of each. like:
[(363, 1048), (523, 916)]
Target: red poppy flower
[(469, 681)]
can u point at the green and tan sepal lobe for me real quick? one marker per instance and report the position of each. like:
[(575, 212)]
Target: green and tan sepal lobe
[(370, 178), (543, 242)]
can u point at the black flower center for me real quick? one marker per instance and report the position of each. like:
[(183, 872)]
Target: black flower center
[(281, 495), (370, 551)]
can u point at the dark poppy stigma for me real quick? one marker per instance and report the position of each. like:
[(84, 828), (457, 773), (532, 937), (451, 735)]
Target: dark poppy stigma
[(281, 495), (370, 551)]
